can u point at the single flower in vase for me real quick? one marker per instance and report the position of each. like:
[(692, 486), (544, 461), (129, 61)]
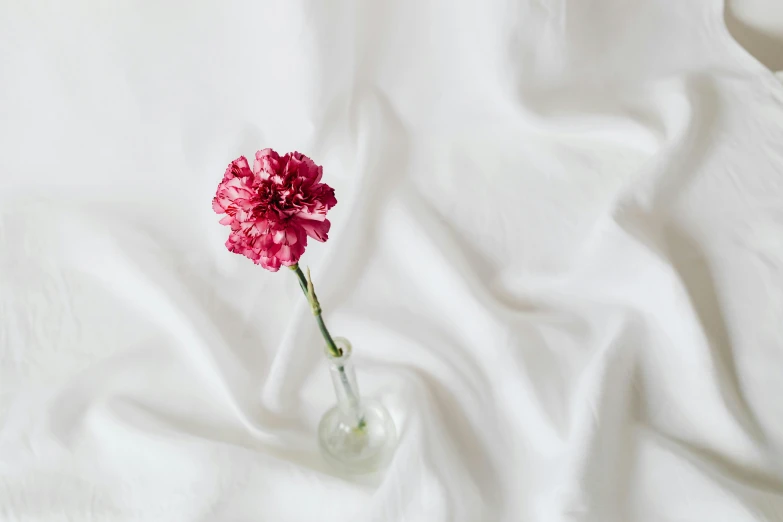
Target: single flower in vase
[(272, 210)]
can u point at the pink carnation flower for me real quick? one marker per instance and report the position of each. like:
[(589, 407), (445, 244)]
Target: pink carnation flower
[(272, 208)]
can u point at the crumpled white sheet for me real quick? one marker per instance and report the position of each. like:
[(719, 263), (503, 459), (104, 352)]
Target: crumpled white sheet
[(558, 251)]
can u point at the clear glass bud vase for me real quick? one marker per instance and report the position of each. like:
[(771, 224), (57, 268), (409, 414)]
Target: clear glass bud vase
[(357, 435)]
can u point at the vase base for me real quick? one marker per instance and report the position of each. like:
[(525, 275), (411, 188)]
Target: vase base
[(362, 447)]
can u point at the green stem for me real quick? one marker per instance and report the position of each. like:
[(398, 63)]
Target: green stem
[(309, 292), (330, 344)]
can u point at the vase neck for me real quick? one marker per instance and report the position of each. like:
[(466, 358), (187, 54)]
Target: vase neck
[(345, 387), (343, 376)]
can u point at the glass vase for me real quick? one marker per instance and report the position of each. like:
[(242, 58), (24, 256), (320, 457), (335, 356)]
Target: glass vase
[(356, 435)]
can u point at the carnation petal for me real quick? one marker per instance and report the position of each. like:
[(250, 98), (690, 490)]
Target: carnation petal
[(270, 263), (266, 163), (318, 230), (217, 207), (237, 168)]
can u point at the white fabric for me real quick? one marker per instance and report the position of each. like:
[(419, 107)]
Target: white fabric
[(558, 252)]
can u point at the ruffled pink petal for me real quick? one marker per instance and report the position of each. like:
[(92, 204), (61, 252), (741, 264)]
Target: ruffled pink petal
[(266, 164), (217, 207), (290, 254), (238, 168), (270, 263), (318, 230), (305, 167)]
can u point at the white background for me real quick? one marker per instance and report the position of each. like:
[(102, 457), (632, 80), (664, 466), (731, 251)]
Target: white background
[(758, 26), (558, 252)]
